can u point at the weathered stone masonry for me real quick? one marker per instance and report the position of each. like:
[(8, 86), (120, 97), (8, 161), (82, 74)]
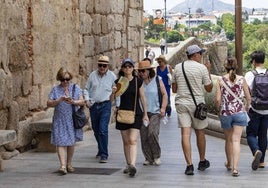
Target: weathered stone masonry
[(37, 37)]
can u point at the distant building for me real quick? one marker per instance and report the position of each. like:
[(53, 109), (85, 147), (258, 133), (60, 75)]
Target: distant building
[(258, 14)]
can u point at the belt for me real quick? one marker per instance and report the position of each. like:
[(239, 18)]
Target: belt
[(103, 102)]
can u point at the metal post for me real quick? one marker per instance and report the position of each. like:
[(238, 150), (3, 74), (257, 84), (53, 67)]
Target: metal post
[(238, 36), (189, 21), (166, 26)]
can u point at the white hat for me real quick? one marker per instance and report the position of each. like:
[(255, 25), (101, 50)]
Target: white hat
[(194, 49)]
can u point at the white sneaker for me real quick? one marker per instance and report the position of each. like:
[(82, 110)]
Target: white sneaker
[(157, 161), (146, 163)]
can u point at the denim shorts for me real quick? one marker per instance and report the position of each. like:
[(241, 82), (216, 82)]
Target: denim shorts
[(239, 119)]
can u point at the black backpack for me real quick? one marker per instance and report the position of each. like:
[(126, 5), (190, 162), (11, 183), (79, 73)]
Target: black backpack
[(259, 92)]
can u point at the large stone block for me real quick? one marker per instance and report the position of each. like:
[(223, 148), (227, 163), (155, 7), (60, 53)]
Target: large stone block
[(14, 116), (27, 81), (4, 119), (24, 134), (86, 23), (23, 106), (118, 22), (34, 98), (104, 43), (96, 26), (89, 46)]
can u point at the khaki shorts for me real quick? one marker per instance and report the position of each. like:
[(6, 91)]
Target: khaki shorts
[(186, 117)]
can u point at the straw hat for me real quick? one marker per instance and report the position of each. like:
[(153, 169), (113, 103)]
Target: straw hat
[(162, 58), (103, 59), (121, 86), (145, 65)]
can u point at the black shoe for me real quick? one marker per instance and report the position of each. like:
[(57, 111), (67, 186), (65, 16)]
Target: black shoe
[(256, 160), (203, 165), (103, 160), (189, 170), (132, 170)]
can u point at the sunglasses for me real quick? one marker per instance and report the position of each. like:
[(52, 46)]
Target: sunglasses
[(200, 53), (142, 71), (65, 79), (102, 65), (127, 66)]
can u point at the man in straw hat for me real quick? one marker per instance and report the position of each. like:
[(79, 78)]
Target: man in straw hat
[(199, 78), (98, 89)]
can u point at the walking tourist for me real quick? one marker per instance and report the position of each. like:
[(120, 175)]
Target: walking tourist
[(130, 99), (199, 77), (165, 72), (162, 45), (231, 89), (257, 80), (156, 99), (98, 90), (64, 135)]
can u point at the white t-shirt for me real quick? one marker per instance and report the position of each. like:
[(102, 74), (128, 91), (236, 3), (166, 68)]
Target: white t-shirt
[(249, 76)]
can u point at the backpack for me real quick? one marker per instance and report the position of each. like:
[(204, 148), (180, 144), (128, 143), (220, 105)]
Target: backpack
[(259, 92)]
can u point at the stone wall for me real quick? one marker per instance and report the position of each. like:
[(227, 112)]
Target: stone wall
[(216, 52), (38, 37)]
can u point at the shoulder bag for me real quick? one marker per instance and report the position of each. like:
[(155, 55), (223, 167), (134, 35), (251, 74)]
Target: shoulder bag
[(79, 116), (128, 116), (201, 109)]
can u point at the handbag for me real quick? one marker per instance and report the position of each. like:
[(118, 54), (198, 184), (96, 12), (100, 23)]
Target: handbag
[(235, 96), (201, 109), (127, 116), (79, 116)]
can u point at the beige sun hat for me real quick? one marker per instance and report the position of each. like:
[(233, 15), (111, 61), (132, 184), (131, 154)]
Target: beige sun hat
[(103, 59), (121, 86), (145, 65)]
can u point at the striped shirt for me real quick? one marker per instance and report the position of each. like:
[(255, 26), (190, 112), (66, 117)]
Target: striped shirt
[(197, 75)]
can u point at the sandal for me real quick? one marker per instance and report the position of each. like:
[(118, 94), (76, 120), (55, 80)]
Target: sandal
[(62, 170), (262, 165), (70, 168), (227, 166), (235, 173)]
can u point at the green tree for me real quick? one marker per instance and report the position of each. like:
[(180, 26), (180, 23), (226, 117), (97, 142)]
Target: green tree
[(228, 25), (174, 36), (152, 30)]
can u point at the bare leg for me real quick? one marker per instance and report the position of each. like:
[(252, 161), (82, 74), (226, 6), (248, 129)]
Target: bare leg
[(237, 132), (186, 144), (125, 135), (70, 153), (228, 133), (61, 151), (201, 143), (133, 137)]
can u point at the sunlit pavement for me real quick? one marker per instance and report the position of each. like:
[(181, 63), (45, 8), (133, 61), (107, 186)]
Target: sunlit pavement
[(35, 169)]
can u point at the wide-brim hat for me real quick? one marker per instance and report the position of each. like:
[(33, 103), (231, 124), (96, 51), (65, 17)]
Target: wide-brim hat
[(103, 59), (161, 57), (121, 86), (145, 65), (194, 49)]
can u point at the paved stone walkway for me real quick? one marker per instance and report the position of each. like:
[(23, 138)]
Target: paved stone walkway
[(35, 169)]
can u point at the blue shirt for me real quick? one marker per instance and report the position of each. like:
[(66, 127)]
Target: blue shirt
[(151, 95), (99, 88)]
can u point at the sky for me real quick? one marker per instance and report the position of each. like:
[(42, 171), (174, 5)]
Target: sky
[(148, 5)]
